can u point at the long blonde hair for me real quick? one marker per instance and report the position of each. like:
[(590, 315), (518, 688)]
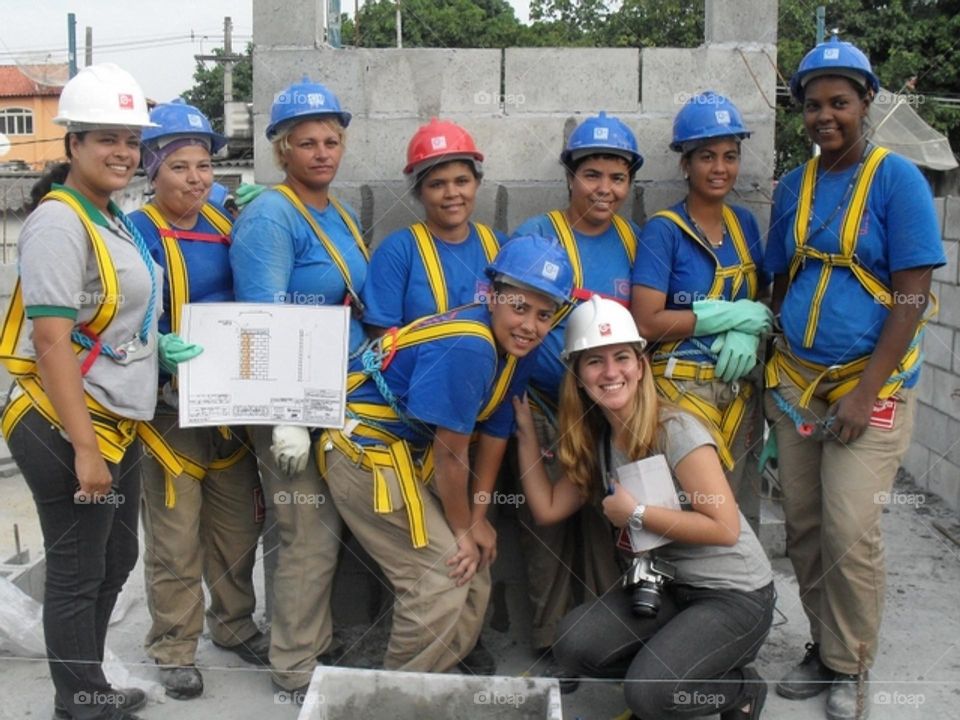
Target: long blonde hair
[(583, 425)]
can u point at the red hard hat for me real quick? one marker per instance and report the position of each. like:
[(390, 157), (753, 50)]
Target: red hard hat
[(440, 139)]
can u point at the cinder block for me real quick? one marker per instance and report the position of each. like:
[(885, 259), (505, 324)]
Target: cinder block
[(520, 148), (671, 76), (939, 203), (932, 430), (925, 386), (948, 273), (284, 23), (757, 153), (951, 218), (568, 80), (953, 454), (376, 149), (943, 478), (660, 195), (654, 134), (917, 463), (956, 353), (741, 21), (945, 385), (938, 346), (949, 296)]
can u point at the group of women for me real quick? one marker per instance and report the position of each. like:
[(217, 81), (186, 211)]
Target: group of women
[(650, 344)]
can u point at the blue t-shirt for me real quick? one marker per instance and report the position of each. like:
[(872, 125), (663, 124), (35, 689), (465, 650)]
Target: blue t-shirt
[(606, 271), (277, 258), (672, 262), (899, 231), (208, 264), (447, 382), (399, 291)]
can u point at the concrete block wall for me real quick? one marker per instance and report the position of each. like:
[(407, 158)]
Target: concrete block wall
[(934, 456), (520, 104)]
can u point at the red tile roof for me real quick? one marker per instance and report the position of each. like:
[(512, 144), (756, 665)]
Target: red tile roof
[(31, 80)]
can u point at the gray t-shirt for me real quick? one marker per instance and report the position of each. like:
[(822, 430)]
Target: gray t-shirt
[(58, 269), (743, 566)]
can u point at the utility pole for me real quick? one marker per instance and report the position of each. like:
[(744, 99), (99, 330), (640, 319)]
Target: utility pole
[(399, 27), (88, 48), (227, 59), (72, 42)]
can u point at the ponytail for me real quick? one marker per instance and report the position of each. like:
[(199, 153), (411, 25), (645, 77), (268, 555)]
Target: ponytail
[(55, 174)]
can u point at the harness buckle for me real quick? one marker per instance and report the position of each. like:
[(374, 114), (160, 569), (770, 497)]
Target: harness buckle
[(705, 374)]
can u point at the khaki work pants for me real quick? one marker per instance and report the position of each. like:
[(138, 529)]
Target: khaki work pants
[(568, 563), (309, 529), (435, 623), (833, 496), (211, 534)]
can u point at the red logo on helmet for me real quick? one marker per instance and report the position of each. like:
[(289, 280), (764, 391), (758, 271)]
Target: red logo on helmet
[(126, 101), (605, 329)]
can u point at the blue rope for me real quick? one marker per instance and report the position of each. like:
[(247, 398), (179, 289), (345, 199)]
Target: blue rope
[(372, 362), (699, 348)]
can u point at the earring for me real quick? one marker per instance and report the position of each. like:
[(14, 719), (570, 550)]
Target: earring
[(686, 176)]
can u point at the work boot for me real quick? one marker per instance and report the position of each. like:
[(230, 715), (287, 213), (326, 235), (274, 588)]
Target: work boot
[(811, 677), (478, 661), (282, 696), (182, 682), (125, 700), (254, 650), (842, 699), (753, 697)]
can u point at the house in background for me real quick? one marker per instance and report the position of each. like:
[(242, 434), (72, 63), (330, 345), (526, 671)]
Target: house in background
[(28, 104)]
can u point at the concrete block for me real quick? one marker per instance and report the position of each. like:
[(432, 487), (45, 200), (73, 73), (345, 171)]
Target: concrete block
[(772, 532), (951, 218), (671, 76), (938, 346), (939, 204), (301, 24), (943, 478), (654, 134), (948, 273), (739, 21), (757, 153), (917, 463), (376, 149), (932, 430), (956, 353), (946, 395), (568, 80), (656, 196), (925, 387), (30, 577), (949, 296), (520, 148)]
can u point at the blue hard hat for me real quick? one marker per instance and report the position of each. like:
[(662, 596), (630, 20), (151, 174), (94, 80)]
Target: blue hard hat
[(304, 100), (834, 57), (177, 118), (536, 262), (705, 116), (602, 135)]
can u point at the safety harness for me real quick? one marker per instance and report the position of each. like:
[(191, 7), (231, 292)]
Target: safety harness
[(411, 462), (179, 282), (846, 375), (114, 433), (668, 363), (427, 248)]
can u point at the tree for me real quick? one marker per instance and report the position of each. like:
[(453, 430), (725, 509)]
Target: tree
[(207, 91)]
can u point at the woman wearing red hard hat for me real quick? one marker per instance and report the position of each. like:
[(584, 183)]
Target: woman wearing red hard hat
[(88, 297), (853, 243)]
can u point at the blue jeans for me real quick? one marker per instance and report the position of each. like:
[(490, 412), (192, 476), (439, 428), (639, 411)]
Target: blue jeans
[(90, 550), (685, 662)]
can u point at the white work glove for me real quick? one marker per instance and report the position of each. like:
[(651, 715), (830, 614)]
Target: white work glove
[(291, 448)]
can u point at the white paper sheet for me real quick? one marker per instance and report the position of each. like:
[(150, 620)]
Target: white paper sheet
[(650, 483), (264, 364)]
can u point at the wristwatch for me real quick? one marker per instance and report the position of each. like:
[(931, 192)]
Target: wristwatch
[(636, 517)]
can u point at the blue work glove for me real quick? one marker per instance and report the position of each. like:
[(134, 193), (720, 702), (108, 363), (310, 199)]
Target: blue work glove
[(173, 350), (736, 354), (716, 316), (247, 193), (770, 452)]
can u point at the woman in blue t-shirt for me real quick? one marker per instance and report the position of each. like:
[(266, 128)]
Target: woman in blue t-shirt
[(853, 242), (696, 285), (435, 265)]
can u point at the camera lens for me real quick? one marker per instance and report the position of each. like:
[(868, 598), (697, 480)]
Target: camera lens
[(646, 600)]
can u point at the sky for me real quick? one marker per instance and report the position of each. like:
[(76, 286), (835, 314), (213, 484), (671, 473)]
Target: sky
[(155, 40)]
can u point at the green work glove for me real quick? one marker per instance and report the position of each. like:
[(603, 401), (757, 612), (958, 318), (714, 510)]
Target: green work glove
[(770, 453), (247, 193), (174, 350), (716, 316), (736, 354)]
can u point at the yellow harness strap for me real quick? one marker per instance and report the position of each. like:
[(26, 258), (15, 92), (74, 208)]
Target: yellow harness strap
[(427, 248), (324, 239), (668, 371), (396, 453)]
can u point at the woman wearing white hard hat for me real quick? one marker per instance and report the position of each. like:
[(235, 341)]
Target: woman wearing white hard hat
[(296, 243), (697, 283), (685, 649), (202, 525), (89, 293), (853, 242)]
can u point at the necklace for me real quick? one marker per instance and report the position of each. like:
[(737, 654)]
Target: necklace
[(840, 205), (701, 233)]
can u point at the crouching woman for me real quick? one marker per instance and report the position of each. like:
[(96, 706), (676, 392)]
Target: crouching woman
[(692, 657)]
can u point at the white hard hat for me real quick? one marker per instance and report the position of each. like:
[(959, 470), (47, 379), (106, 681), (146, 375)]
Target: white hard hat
[(599, 322), (102, 94)]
